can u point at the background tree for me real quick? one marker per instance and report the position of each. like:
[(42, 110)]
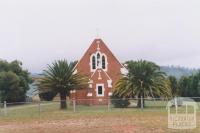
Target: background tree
[(190, 85), (174, 86), (61, 78), (144, 79), (14, 81)]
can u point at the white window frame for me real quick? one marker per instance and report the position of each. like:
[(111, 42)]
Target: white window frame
[(103, 89), (106, 62), (91, 67), (100, 65), (100, 59)]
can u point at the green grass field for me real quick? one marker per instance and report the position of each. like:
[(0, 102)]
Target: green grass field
[(49, 119)]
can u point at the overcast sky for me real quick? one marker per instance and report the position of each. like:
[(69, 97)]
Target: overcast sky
[(38, 32)]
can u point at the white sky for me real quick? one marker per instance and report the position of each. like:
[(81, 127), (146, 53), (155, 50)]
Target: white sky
[(38, 32)]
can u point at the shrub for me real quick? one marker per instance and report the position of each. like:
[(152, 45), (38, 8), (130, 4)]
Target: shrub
[(47, 96), (119, 102)]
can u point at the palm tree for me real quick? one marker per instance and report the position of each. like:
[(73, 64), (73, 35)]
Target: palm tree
[(144, 79), (61, 78)]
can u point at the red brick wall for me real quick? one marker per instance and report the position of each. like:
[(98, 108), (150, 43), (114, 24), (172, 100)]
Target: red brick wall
[(113, 71)]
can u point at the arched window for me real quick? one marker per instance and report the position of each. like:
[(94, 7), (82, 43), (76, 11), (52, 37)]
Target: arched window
[(98, 56), (98, 59), (93, 62), (103, 62)]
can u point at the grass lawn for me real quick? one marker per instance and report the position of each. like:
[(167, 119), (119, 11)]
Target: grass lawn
[(87, 119)]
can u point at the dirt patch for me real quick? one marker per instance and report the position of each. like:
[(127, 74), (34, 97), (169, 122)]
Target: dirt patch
[(97, 125), (101, 124)]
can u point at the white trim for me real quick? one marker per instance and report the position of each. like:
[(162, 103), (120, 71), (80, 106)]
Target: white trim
[(93, 73), (90, 83), (106, 47), (111, 52), (83, 56), (103, 89), (109, 83), (89, 94), (75, 71), (106, 62), (124, 71), (107, 75), (110, 94), (98, 46), (73, 91), (100, 61), (91, 65), (99, 78)]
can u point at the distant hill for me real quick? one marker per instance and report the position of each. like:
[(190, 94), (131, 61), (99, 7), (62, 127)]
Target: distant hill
[(35, 75), (178, 71)]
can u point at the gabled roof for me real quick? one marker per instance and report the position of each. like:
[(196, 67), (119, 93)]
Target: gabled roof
[(93, 47)]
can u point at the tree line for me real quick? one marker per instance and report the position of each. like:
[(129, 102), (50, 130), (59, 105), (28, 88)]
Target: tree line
[(144, 79), (186, 86), (14, 81)]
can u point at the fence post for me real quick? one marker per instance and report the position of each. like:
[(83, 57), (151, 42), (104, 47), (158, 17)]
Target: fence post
[(5, 108), (39, 108), (142, 106), (74, 105)]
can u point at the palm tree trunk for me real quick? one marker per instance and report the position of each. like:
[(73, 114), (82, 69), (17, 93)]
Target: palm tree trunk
[(140, 101), (63, 100)]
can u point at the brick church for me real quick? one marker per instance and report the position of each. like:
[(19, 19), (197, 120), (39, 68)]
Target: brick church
[(103, 70)]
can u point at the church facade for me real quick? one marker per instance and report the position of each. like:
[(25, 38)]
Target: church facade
[(103, 70)]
